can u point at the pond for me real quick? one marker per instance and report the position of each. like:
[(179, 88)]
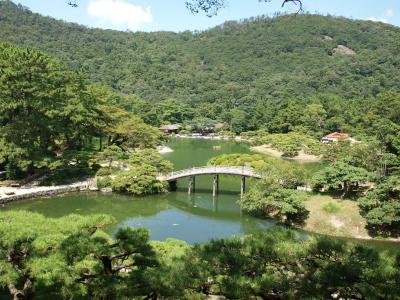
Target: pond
[(195, 218)]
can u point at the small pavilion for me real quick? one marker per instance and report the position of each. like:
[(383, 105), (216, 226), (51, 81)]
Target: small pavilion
[(173, 128)]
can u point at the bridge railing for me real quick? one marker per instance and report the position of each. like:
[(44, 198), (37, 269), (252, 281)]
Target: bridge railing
[(244, 171)]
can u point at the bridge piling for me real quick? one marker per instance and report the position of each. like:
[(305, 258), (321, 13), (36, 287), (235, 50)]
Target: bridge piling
[(173, 185), (215, 204), (242, 186), (192, 185), (215, 185)]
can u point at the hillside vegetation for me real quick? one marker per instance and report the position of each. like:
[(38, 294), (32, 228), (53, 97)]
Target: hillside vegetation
[(307, 73), (237, 63)]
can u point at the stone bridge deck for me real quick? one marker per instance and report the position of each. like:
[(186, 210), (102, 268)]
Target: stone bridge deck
[(210, 170)]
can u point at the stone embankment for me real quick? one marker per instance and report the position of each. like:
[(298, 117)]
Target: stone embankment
[(164, 149), (202, 137), (10, 194), (211, 137)]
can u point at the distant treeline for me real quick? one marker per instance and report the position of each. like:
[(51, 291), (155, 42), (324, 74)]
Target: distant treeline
[(257, 73)]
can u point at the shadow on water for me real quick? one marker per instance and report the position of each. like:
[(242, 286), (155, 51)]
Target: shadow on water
[(209, 191), (209, 208)]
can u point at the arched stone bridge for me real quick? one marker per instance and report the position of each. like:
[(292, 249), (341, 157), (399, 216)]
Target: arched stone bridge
[(210, 170), (191, 173)]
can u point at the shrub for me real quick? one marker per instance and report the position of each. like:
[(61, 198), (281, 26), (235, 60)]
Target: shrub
[(184, 131), (104, 172), (285, 205), (226, 133), (150, 157), (140, 180), (104, 182), (290, 150)]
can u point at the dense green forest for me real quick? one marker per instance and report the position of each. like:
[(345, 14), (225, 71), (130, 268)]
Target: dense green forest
[(74, 258), (256, 59), (53, 119), (258, 73)]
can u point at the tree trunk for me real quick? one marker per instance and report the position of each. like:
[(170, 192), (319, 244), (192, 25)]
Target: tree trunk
[(346, 189), (25, 294), (107, 264), (101, 143)]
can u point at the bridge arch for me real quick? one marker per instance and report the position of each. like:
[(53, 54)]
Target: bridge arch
[(210, 170), (191, 173)]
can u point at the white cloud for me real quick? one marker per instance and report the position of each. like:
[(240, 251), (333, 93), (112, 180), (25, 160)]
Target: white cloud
[(390, 13), (120, 13), (377, 19)]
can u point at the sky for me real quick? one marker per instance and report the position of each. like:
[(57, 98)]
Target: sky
[(172, 15)]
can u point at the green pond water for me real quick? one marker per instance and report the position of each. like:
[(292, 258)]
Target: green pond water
[(195, 218)]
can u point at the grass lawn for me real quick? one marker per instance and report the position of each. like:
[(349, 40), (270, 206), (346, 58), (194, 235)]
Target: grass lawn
[(335, 217)]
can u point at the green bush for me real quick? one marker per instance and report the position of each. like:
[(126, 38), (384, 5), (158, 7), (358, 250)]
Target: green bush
[(104, 172), (226, 133), (104, 182), (290, 151), (12, 171), (150, 157), (285, 205), (184, 131), (140, 180)]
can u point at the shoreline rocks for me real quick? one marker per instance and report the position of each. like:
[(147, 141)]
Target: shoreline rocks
[(8, 195), (106, 190), (203, 137), (164, 149)]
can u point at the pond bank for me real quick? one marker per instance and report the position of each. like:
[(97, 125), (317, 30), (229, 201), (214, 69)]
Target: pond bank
[(164, 149), (11, 194), (263, 149), (301, 157), (236, 138), (203, 137), (337, 218)]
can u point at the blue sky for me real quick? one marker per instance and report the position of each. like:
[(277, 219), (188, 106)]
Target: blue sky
[(172, 15)]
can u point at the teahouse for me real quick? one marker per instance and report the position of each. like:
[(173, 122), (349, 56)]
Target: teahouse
[(173, 128), (334, 137)]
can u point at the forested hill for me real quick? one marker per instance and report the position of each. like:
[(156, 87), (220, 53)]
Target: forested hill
[(235, 64)]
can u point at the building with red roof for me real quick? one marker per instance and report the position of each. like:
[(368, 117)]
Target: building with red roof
[(334, 137)]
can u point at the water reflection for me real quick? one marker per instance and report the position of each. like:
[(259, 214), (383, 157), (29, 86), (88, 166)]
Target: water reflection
[(198, 218)]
